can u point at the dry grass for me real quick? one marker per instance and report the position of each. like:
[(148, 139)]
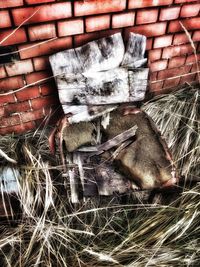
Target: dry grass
[(53, 232)]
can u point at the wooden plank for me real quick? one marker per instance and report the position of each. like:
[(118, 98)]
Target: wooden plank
[(103, 54)]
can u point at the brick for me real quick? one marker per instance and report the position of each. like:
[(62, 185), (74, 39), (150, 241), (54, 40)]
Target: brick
[(70, 27), (97, 23), (196, 36), (6, 99), (190, 10), (2, 72), (18, 37), (41, 32), (28, 93), (32, 2), (11, 83), (153, 76), (4, 19), (37, 76), (158, 65), (44, 102), (32, 115), (148, 3), (19, 67), (18, 129), (10, 121), (149, 43), (180, 38), (156, 86), (2, 112), (41, 63), (176, 62), (154, 54), (91, 7), (185, 1), (169, 13), (146, 16), (48, 89), (16, 107), (10, 3), (46, 12), (169, 83), (149, 30), (189, 24), (194, 67), (192, 58), (39, 49), (162, 41), (123, 20), (168, 73), (190, 78), (174, 51), (84, 38)]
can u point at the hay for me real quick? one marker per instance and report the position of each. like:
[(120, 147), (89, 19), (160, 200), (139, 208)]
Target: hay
[(177, 117), (50, 231)]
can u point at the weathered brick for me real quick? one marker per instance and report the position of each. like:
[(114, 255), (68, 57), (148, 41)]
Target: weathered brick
[(84, 38), (44, 13), (28, 93), (154, 54), (192, 58), (149, 30), (180, 38), (16, 107), (185, 1), (163, 41), (41, 32), (48, 89), (169, 13), (18, 37), (18, 129), (70, 27), (190, 10), (11, 83), (148, 3), (4, 19), (91, 7), (41, 63), (32, 2), (10, 3), (176, 62), (38, 76), (196, 36), (169, 83), (44, 102), (168, 73), (32, 115), (40, 49), (189, 24), (158, 65), (10, 121), (146, 16), (153, 76), (174, 51), (6, 98), (97, 23), (149, 43), (123, 20), (156, 86), (2, 72), (190, 78), (19, 67)]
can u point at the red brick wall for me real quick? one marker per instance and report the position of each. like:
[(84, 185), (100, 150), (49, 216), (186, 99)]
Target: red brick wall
[(48, 26)]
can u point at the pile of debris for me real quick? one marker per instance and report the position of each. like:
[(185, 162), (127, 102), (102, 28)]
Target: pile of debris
[(110, 144)]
